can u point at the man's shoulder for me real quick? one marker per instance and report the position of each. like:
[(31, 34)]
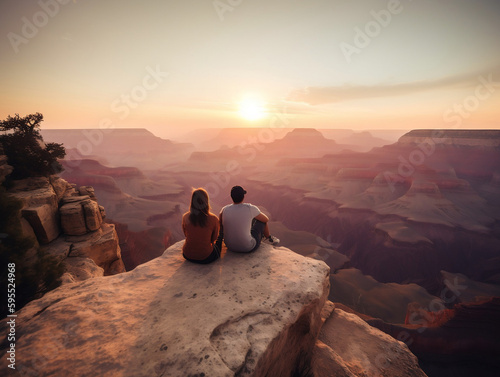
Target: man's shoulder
[(239, 206), (226, 207), (253, 208)]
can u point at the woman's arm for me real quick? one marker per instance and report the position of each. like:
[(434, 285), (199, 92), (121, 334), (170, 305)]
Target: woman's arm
[(215, 231), (184, 226)]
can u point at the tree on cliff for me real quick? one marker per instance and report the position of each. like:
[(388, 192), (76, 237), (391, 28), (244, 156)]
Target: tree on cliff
[(27, 153)]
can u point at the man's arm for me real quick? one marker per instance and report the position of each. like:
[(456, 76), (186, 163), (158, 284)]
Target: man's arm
[(262, 218)]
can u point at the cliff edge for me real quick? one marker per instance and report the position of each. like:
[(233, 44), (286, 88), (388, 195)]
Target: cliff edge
[(255, 314)]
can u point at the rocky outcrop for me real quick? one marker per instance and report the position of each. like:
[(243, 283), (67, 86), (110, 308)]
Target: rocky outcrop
[(68, 223), (5, 169), (466, 334), (347, 346), (238, 316), (255, 314), (80, 215), (43, 220)]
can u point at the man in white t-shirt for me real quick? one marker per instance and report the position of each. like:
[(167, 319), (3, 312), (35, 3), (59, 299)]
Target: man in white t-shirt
[(243, 224)]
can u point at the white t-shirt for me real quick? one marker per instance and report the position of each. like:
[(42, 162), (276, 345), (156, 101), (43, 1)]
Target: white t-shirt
[(237, 222)]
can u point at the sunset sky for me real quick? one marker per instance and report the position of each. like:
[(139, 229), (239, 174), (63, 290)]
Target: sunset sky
[(173, 66)]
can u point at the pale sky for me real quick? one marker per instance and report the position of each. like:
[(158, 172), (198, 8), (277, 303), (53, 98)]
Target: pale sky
[(172, 66)]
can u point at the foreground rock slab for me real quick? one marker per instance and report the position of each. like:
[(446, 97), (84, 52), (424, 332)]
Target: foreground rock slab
[(348, 347), (246, 315)]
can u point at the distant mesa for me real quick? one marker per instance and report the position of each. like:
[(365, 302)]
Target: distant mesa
[(305, 132), (136, 147), (463, 138)]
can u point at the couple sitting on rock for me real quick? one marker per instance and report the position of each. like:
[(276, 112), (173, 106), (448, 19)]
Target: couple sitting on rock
[(241, 225)]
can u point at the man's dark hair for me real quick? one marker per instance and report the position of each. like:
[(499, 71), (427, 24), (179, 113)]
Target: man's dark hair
[(238, 194)]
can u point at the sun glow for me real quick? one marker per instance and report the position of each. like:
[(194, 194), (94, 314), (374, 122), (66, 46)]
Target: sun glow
[(252, 108)]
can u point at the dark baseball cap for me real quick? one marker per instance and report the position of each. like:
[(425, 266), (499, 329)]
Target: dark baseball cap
[(237, 193)]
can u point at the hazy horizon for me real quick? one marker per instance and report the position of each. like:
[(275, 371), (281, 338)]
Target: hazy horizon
[(184, 65)]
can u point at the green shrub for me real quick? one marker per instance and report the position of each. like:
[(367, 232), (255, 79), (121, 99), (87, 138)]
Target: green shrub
[(26, 152)]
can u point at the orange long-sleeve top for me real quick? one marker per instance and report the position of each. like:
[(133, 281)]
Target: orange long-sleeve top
[(199, 240)]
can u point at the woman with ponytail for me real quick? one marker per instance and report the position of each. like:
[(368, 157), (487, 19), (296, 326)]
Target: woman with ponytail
[(201, 228)]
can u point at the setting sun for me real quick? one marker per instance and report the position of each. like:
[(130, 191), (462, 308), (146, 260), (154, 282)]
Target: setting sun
[(252, 108)]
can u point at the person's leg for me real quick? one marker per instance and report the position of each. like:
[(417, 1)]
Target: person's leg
[(257, 232), (211, 258), (220, 237), (266, 232)]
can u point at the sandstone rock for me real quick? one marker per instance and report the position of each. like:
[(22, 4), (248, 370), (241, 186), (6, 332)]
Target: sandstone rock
[(37, 196), (59, 185), (100, 247), (92, 237), (247, 314), (43, 220), (116, 267), (27, 230), (103, 248), (82, 268), (73, 219), (30, 184), (59, 249), (348, 346), (70, 192), (89, 191), (74, 199), (5, 169), (103, 212), (93, 219)]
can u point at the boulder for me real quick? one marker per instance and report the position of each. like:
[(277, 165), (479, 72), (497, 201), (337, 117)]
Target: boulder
[(92, 213), (39, 195), (102, 247), (89, 191), (348, 346), (73, 219), (43, 220), (74, 199), (252, 314), (103, 212), (82, 268), (59, 185)]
